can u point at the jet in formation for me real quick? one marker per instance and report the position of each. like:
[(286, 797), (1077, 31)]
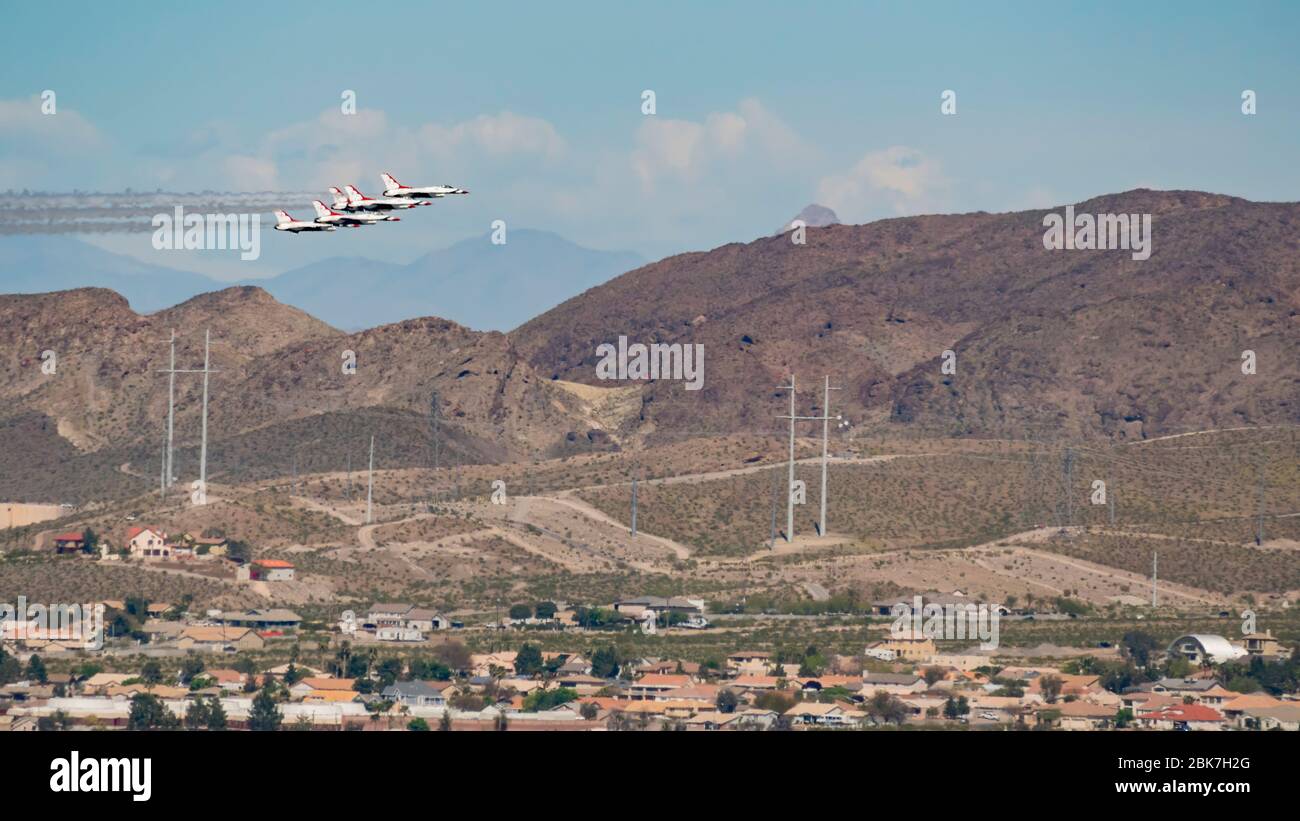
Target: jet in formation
[(284, 222), (353, 209)]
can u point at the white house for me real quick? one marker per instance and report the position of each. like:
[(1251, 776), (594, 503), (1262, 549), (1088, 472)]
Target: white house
[(148, 543)]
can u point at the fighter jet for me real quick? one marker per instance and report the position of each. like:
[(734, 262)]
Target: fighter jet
[(393, 188), (328, 216), (356, 201), (284, 222)]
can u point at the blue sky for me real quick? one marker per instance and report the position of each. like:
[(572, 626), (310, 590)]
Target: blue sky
[(762, 108)]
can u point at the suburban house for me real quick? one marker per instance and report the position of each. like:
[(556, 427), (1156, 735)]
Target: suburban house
[(315, 686), (225, 679), (1181, 686), (906, 649), (71, 542), (270, 570), (420, 693), (271, 619), (148, 543), (1084, 715), (405, 618), (657, 685), (1259, 644), (219, 638), (898, 684), (755, 662), (1183, 716), (1284, 716), (635, 608), (1204, 647), (825, 714)]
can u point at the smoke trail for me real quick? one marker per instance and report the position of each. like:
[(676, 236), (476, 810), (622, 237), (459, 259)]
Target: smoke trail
[(125, 212)]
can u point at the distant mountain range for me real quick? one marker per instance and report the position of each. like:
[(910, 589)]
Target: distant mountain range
[(473, 282)]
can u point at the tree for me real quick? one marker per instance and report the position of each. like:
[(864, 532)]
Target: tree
[(519, 612), (1123, 718), (933, 674), (216, 714), (1139, 646), (196, 715), (11, 669), (151, 672), (389, 670), (36, 669), (545, 610), (265, 715), (539, 700), (191, 667), (149, 713), (773, 701), (1050, 686), (528, 661), (418, 725), (444, 723), (887, 708), (589, 710), (605, 662), (955, 708), (238, 551), (292, 675), (726, 701), (454, 654)]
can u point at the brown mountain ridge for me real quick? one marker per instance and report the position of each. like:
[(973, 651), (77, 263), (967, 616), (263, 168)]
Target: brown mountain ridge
[(1047, 342)]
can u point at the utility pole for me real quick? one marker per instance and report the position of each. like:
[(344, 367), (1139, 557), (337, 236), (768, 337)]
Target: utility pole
[(1069, 476), (1155, 563), (370, 482), (203, 447), (776, 496), (169, 469), (789, 490), (1110, 499), (171, 413), (349, 459), (1259, 531), (162, 473), (826, 421), (634, 503)]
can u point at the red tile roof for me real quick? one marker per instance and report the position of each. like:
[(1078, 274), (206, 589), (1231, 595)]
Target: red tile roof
[(1184, 712)]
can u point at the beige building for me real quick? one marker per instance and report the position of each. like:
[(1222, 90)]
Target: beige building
[(217, 639)]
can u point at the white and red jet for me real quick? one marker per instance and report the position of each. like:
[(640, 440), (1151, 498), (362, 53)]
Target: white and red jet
[(328, 216), (284, 222), (393, 188), (354, 201)]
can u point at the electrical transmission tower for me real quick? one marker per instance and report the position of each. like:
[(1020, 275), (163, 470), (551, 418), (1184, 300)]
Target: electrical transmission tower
[(789, 490)]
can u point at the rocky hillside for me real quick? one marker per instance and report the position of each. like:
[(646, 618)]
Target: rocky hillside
[(1074, 342)]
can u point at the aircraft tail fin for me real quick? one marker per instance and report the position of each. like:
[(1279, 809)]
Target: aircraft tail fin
[(281, 217), (389, 182), (353, 194), (321, 210)]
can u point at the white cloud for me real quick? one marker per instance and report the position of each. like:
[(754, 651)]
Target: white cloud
[(251, 174), (897, 179), (685, 151), (22, 120)]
